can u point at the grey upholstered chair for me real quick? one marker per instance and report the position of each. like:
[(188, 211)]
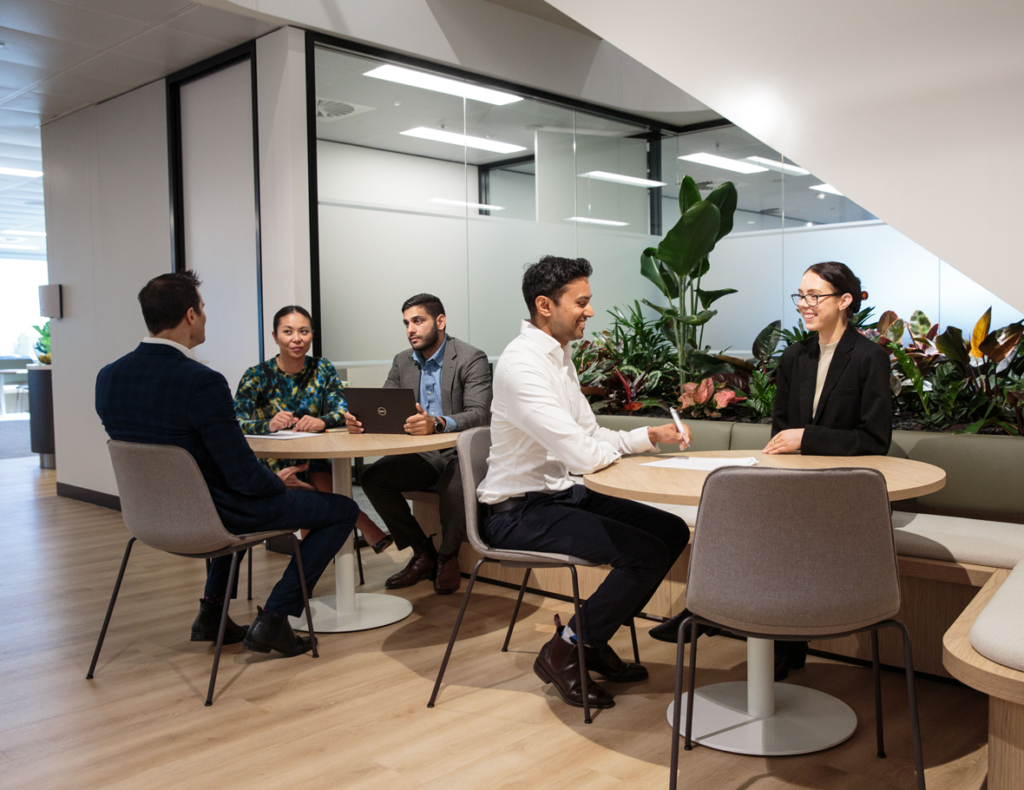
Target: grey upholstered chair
[(794, 555), (166, 504), (473, 446)]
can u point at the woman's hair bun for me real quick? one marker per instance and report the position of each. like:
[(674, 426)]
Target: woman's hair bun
[(863, 295)]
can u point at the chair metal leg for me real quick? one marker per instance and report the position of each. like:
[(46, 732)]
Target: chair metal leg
[(359, 559), (915, 724), (248, 596), (110, 608), (877, 676), (678, 704), (232, 576), (691, 690), (305, 595), (455, 633), (584, 675), (515, 612), (632, 633)]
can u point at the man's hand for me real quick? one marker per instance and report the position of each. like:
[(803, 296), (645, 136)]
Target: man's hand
[(310, 424), (788, 441), (353, 425), (669, 434), (282, 420), (289, 479), (420, 424)]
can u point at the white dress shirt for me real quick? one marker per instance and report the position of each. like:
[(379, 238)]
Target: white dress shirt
[(543, 432)]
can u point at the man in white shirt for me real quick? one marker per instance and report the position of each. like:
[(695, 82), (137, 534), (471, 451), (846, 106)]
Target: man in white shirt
[(544, 437)]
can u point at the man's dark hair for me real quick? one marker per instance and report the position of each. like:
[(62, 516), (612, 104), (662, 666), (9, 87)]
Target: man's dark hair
[(166, 299), (431, 304), (550, 276)]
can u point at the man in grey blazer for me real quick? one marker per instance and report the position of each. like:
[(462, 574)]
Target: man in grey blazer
[(453, 385)]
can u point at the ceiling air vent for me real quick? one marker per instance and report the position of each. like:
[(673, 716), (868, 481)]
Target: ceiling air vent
[(332, 109)]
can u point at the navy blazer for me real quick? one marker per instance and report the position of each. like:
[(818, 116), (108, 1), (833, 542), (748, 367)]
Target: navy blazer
[(157, 395), (854, 415)]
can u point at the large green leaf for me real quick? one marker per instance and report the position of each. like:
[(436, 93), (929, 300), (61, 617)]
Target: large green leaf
[(699, 319), (725, 198), (650, 268), (708, 298), (920, 324), (767, 341), (689, 195), (703, 365), (661, 310), (690, 239), (951, 343)]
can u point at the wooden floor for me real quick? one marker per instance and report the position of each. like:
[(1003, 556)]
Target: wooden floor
[(357, 716)]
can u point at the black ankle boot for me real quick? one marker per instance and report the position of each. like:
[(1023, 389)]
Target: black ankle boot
[(275, 633), (207, 624)]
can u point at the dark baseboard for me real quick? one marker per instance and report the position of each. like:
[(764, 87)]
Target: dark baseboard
[(108, 501)]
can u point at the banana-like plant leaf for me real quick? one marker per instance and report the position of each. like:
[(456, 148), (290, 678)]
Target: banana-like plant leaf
[(1001, 342), (736, 362), (725, 198), (698, 319), (980, 333), (671, 280), (650, 269), (951, 343), (708, 298), (690, 239), (689, 195), (920, 325), (767, 341), (703, 365), (652, 305)]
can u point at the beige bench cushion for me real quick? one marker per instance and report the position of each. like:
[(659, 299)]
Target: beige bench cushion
[(998, 631), (998, 544)]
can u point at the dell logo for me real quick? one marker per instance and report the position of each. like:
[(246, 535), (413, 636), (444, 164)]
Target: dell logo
[(382, 411)]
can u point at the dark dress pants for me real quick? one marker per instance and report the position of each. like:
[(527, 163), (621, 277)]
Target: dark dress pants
[(640, 543), (384, 482), (330, 519)]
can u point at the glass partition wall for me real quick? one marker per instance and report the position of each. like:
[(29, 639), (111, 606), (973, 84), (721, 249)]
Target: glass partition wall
[(429, 182)]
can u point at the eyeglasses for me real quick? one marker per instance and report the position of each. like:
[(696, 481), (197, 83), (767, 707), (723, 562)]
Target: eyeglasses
[(811, 299)]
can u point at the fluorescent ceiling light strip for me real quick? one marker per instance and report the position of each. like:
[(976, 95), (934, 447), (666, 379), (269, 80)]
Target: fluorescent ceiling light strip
[(17, 247), (24, 232), (779, 167), (483, 206), (14, 171), (601, 175), (827, 188), (441, 136), (431, 82), (734, 165), (591, 221)]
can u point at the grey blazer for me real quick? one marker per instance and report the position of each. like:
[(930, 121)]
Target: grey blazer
[(465, 388)]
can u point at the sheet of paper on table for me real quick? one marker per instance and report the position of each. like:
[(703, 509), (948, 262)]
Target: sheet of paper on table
[(284, 435), (702, 464)]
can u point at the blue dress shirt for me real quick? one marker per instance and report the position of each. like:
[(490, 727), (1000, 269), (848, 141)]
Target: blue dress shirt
[(430, 384)]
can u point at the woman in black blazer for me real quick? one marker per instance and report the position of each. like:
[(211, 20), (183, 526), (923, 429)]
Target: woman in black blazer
[(833, 390)]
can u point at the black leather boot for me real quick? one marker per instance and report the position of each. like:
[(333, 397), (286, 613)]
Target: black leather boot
[(207, 624), (559, 663), (275, 633)]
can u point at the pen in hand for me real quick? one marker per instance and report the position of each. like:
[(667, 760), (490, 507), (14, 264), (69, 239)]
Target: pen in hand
[(679, 426)]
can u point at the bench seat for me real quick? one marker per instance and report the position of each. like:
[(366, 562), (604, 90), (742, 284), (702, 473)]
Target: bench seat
[(998, 544), (998, 630)]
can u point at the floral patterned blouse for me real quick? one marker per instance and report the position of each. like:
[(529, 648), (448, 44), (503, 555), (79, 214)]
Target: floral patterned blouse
[(265, 390)]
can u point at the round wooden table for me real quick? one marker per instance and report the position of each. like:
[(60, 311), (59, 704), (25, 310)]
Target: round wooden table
[(759, 716), (345, 610)]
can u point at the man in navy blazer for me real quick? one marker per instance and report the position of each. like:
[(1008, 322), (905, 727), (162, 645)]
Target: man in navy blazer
[(160, 394)]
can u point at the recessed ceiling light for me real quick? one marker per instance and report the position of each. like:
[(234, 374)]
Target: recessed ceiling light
[(600, 175), (591, 221), (484, 206), (441, 136), (17, 247), (827, 188), (751, 222), (734, 165), (810, 224), (431, 82), (779, 167), (26, 232), (14, 171)]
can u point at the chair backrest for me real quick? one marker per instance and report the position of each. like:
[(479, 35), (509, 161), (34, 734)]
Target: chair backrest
[(164, 499), (793, 552), (473, 447)]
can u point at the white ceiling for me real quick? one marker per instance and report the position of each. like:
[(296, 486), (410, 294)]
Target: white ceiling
[(59, 56)]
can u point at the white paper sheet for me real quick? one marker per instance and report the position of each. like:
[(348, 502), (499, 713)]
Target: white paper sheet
[(696, 464), (284, 435)]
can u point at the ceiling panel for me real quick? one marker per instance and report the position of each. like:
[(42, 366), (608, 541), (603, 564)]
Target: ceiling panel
[(43, 107), (67, 23), (142, 10), (47, 54), (75, 86), (225, 27), (121, 69), (15, 77), (171, 47)]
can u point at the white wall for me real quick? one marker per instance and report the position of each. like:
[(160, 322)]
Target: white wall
[(107, 219)]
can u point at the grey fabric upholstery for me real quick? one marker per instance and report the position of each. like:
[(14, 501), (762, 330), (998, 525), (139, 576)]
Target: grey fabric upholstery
[(707, 434), (473, 447), (998, 630), (749, 436), (793, 552), (165, 502), (998, 544)]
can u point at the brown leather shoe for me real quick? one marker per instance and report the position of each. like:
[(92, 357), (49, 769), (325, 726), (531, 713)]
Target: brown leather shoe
[(558, 663), (606, 662), (448, 578), (422, 566)]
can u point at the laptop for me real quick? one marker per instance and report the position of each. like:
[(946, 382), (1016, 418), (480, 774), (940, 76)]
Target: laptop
[(381, 410)]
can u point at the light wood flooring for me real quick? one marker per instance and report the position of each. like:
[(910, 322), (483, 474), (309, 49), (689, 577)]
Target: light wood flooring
[(357, 716)]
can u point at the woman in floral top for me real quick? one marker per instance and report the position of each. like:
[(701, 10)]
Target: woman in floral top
[(300, 393)]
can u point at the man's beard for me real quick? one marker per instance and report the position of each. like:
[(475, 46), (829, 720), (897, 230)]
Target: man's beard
[(431, 338)]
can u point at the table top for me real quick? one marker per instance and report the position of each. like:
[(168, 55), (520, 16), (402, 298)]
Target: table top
[(342, 444), (625, 478)]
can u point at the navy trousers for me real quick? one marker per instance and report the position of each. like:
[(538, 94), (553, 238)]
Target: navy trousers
[(640, 543), (330, 519)]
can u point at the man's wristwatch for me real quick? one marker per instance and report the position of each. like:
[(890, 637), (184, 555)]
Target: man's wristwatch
[(440, 425)]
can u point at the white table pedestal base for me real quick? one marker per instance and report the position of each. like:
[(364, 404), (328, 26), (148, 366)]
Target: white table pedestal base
[(761, 717), (347, 611)]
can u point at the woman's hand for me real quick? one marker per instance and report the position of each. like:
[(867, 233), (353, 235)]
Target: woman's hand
[(310, 424), (353, 425), (282, 420), (289, 479), (785, 442)]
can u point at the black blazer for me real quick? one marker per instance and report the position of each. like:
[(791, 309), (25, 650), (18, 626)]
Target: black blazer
[(854, 414)]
